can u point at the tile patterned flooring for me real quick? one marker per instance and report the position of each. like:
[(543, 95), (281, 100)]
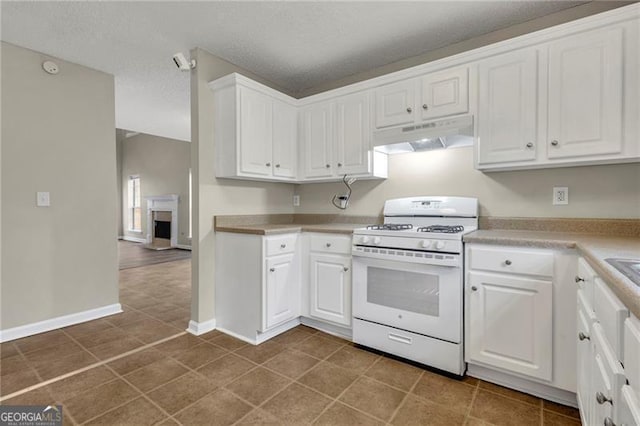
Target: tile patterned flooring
[(300, 377)]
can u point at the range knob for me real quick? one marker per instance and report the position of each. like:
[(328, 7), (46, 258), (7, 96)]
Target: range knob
[(425, 243), (364, 240), (377, 240), (439, 245)]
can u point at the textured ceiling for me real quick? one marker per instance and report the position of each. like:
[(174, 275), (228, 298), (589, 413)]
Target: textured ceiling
[(296, 45)]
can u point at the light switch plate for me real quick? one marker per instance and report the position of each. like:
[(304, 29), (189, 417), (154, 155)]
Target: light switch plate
[(560, 195), (43, 199), (296, 201)]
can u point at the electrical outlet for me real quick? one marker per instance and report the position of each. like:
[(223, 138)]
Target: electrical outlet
[(296, 201), (560, 195), (43, 199)]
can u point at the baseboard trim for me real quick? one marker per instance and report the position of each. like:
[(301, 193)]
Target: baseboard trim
[(199, 328), (336, 330), (134, 239), (183, 247), (58, 322), (540, 390)]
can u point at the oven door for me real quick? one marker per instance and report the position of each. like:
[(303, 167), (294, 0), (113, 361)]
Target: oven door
[(417, 297)]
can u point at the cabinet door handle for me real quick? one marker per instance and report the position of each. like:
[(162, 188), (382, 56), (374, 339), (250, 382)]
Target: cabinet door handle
[(474, 288), (608, 422), (328, 166), (283, 246), (583, 336), (328, 245), (554, 143), (601, 399), (507, 262), (272, 269), (409, 110), (529, 145), (277, 166), (579, 278), (425, 107), (268, 164), (339, 164), (346, 269)]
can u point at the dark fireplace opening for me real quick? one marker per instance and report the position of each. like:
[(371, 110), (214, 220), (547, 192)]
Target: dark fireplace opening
[(162, 229)]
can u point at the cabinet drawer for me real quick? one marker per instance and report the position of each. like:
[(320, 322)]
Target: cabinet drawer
[(629, 411), (280, 244), (584, 279), (611, 313), (338, 244), (513, 261), (608, 376), (632, 352)]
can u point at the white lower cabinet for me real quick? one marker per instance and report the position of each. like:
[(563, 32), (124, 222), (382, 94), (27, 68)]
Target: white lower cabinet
[(282, 291), (511, 323), (330, 288)]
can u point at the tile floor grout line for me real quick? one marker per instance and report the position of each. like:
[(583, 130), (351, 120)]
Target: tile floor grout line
[(88, 367), (473, 400), (31, 367), (395, 412)]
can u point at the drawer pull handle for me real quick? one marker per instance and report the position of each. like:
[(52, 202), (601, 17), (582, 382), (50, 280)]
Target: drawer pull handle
[(554, 143), (283, 246), (328, 245), (529, 145), (425, 107), (507, 262), (409, 110), (272, 269), (608, 422), (602, 399), (268, 164), (583, 336), (346, 269), (579, 279), (474, 288), (400, 339)]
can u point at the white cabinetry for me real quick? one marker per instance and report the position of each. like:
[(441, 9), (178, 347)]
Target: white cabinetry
[(570, 101), (395, 103), (445, 93), (507, 114), (335, 140), (258, 293), (255, 130), (329, 269), (585, 94)]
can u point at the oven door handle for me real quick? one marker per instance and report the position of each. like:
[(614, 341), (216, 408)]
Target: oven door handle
[(400, 339)]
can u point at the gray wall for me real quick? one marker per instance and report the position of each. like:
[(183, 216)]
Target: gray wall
[(119, 138), (58, 135), (212, 196), (163, 166)]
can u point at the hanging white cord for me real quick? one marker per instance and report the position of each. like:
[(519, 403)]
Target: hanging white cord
[(342, 201)]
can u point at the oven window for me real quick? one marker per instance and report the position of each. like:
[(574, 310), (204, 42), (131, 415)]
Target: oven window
[(404, 290)]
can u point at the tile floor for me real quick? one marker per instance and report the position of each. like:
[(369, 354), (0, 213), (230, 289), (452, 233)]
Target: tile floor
[(300, 377)]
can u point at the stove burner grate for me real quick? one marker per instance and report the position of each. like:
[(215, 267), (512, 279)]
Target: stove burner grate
[(390, 227), (443, 229)]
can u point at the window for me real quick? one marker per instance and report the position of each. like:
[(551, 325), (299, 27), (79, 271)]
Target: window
[(135, 215)]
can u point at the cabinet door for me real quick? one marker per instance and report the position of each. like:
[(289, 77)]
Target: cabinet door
[(507, 114), (353, 134), (282, 291), (395, 103), (255, 129), (585, 94), (330, 288), (317, 139), (445, 93), (511, 324), (285, 130)]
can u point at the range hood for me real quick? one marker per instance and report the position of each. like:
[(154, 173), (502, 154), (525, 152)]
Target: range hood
[(437, 134)]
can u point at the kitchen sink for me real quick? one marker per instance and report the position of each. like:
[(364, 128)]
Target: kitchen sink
[(629, 267)]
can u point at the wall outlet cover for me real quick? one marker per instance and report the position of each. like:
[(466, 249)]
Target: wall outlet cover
[(296, 201), (43, 199), (560, 195)]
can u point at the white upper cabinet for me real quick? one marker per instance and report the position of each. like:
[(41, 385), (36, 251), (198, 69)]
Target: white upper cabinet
[(445, 93), (507, 114), (255, 132), (353, 134), (395, 103), (316, 134), (285, 140), (585, 94)]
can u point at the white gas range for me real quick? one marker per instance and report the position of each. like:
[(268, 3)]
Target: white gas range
[(408, 280)]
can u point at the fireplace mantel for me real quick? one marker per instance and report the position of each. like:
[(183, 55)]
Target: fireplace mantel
[(165, 203)]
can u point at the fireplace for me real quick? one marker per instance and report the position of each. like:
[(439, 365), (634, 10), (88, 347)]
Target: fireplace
[(162, 222)]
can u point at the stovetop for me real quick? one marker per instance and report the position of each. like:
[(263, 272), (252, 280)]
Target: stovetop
[(448, 232)]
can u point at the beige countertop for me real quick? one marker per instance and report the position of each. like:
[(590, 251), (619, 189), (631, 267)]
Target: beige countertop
[(594, 248), (274, 229)]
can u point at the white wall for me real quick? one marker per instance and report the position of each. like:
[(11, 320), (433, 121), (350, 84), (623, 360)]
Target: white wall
[(212, 196), (163, 166), (58, 135), (611, 191)]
